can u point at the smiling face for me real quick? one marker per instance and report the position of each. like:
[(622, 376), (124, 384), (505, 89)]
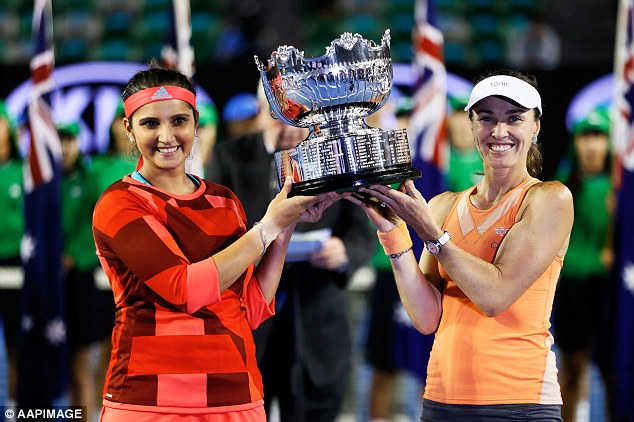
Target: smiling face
[(164, 133), (503, 131)]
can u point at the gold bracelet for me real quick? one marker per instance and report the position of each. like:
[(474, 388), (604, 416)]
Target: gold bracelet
[(260, 226), (396, 240)]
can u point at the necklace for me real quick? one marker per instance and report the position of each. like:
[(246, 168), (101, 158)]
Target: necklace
[(488, 204)]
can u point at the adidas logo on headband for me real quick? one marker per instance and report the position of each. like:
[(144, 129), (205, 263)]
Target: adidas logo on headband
[(161, 94), (149, 95)]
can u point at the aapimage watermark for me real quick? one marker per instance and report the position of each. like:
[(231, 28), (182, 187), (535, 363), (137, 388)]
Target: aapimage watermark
[(53, 413)]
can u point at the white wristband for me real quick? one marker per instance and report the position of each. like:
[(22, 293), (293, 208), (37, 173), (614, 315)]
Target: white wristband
[(265, 243)]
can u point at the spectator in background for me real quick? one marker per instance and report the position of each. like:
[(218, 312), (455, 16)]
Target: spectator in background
[(85, 305), (12, 229), (304, 351), (577, 311), (118, 160), (207, 132), (536, 46), (465, 163), (240, 115)]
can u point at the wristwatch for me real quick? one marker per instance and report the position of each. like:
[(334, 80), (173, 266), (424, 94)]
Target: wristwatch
[(434, 246)]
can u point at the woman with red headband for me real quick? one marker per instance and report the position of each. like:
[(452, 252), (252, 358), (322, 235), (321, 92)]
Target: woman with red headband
[(190, 280)]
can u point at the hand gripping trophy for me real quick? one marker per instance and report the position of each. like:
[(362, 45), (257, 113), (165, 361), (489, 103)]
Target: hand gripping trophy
[(331, 95)]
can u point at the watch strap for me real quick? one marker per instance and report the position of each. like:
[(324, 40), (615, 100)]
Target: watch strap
[(442, 240), (434, 246)]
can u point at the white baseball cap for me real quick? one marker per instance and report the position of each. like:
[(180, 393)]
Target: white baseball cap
[(510, 87)]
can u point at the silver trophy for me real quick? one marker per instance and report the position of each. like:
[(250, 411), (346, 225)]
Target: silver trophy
[(331, 95)]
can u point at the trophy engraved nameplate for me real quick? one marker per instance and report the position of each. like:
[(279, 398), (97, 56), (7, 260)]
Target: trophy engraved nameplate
[(331, 95)]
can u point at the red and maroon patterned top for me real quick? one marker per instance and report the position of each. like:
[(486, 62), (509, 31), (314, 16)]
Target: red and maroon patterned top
[(177, 341)]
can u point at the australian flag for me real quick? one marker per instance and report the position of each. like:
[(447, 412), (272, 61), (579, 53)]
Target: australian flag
[(42, 357), (623, 139), (428, 120), (427, 139)]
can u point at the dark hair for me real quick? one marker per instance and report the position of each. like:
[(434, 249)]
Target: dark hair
[(156, 75), (535, 159), (575, 177)]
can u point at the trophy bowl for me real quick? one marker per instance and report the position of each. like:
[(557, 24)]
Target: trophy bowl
[(331, 95)]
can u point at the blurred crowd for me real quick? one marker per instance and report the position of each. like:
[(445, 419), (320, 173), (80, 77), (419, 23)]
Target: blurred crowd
[(390, 344)]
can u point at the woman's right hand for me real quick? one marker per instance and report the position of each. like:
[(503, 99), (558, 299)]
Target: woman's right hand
[(403, 204), (378, 213), (284, 211)]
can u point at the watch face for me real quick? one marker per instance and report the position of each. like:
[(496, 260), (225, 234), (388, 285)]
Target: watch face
[(433, 248)]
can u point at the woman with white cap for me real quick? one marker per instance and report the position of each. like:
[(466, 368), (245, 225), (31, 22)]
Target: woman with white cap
[(485, 284)]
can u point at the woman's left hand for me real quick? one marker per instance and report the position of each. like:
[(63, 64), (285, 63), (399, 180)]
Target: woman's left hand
[(406, 202), (324, 200)]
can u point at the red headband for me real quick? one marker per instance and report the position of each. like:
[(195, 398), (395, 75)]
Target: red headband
[(157, 93)]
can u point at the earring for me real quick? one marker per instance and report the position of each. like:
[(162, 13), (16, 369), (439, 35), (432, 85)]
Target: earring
[(534, 138)]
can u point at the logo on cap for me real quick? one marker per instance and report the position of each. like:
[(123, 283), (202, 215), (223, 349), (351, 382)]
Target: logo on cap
[(161, 94)]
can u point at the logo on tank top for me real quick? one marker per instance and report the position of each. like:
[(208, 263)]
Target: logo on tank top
[(501, 231)]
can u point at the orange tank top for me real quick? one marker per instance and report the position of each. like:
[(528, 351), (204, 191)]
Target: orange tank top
[(506, 359)]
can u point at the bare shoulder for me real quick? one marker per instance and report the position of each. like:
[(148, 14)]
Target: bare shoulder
[(550, 191), (548, 197), (442, 204)]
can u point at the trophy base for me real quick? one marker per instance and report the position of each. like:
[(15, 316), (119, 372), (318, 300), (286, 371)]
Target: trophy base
[(346, 163), (352, 182)]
